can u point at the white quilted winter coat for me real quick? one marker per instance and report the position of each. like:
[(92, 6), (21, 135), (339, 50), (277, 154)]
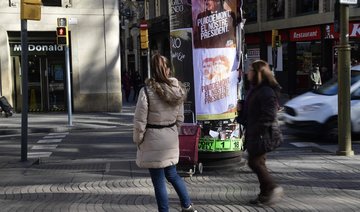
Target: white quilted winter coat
[(158, 148)]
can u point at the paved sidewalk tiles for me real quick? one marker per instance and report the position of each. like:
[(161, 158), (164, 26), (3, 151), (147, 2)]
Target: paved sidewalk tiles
[(312, 182)]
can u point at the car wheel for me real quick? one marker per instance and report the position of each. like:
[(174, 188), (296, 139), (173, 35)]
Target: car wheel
[(331, 131)]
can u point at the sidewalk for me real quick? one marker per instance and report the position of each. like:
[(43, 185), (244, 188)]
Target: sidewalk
[(58, 122), (313, 179)]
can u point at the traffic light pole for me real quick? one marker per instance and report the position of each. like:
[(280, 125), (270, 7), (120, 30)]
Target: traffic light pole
[(29, 10), (148, 62), (344, 126), (25, 94), (274, 59), (68, 85)]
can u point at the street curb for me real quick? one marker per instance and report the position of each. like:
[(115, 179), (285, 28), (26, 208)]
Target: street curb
[(22, 164), (33, 130), (61, 129)]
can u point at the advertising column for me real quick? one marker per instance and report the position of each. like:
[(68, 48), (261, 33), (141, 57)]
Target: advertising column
[(215, 73), (181, 49)]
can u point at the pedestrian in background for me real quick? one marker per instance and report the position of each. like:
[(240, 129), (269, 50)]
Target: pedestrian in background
[(126, 84), (258, 113), (315, 77), (137, 84), (158, 115)]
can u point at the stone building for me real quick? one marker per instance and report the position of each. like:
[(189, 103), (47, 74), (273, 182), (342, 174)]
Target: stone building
[(94, 43)]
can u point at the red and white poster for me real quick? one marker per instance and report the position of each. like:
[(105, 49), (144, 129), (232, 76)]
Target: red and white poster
[(216, 79), (214, 59)]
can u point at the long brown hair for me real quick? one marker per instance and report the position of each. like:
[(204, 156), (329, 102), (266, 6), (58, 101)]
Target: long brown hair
[(159, 66), (263, 74)]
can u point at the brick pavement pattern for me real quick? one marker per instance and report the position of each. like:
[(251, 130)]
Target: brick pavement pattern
[(320, 182)]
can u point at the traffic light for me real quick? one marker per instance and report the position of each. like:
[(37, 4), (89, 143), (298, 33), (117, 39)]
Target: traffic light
[(278, 40), (274, 35), (62, 37), (144, 38), (30, 10), (144, 35)]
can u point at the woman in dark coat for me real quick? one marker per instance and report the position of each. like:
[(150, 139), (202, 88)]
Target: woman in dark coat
[(259, 112)]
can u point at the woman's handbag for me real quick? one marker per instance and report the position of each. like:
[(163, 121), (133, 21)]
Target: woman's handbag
[(270, 139)]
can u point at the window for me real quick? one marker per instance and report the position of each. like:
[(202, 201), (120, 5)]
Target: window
[(356, 94), (52, 3), (250, 10), (275, 9), (307, 6)]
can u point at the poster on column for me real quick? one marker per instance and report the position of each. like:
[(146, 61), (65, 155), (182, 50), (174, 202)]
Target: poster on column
[(181, 47), (181, 58), (214, 23), (215, 78), (180, 14), (215, 59)]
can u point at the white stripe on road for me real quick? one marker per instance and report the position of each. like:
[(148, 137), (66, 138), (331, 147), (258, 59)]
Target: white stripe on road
[(304, 144), (47, 147), (55, 136), (48, 141), (61, 133), (39, 154)]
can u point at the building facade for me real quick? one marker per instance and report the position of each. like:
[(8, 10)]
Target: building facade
[(94, 38), (306, 28), (307, 38)]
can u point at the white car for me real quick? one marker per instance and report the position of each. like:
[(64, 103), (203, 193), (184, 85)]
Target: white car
[(316, 112)]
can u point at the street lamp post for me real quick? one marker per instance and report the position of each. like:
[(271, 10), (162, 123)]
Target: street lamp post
[(344, 124)]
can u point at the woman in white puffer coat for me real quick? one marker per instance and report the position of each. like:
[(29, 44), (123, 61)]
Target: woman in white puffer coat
[(158, 114)]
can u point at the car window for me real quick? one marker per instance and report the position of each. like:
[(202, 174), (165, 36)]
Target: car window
[(356, 94), (331, 88)]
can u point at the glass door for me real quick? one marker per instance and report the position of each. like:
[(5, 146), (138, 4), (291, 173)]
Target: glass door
[(46, 83), (56, 85), (35, 78)]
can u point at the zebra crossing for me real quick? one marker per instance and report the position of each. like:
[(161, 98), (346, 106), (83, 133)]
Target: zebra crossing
[(45, 146)]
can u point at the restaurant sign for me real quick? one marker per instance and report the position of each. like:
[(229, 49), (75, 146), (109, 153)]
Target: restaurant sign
[(305, 34), (15, 48)]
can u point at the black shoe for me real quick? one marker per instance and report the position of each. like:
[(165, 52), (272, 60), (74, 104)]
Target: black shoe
[(260, 199), (274, 197), (255, 201)]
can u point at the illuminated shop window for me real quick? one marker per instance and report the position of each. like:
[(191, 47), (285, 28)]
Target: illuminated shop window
[(275, 9), (307, 6)]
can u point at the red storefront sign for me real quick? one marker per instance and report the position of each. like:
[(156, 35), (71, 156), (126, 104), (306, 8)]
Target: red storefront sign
[(305, 34), (354, 31)]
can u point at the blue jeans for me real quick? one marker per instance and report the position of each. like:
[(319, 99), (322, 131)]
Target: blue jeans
[(158, 179)]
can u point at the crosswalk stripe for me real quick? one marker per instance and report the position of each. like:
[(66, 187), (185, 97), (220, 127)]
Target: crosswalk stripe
[(46, 141), (55, 136), (49, 147), (304, 144), (60, 133), (39, 154)]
